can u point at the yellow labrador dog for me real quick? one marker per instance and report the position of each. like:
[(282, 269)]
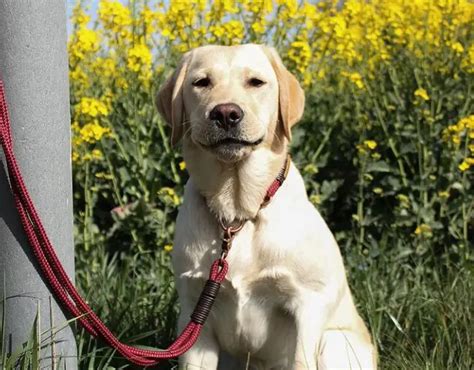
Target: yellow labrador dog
[(285, 303)]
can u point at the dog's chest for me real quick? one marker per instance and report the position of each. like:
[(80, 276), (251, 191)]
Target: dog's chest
[(248, 315), (254, 301), (258, 270)]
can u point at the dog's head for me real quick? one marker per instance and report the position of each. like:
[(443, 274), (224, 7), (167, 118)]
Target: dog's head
[(230, 100)]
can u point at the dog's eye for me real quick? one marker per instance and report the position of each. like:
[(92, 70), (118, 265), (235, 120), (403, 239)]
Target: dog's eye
[(202, 82), (256, 82)]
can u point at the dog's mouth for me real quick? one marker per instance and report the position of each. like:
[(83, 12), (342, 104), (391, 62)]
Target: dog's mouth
[(231, 149), (230, 141)]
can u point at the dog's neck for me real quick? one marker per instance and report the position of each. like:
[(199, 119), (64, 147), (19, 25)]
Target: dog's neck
[(233, 191)]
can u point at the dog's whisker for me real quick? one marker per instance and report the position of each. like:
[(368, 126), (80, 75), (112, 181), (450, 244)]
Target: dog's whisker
[(187, 131)]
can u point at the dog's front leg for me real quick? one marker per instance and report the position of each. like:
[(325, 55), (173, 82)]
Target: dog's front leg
[(204, 354), (310, 318)]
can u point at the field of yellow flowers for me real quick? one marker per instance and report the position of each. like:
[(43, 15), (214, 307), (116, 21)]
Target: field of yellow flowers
[(386, 148)]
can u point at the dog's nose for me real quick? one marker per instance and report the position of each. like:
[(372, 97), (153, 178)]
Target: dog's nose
[(226, 115)]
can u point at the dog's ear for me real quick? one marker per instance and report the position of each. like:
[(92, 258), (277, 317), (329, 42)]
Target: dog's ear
[(169, 100), (291, 95)]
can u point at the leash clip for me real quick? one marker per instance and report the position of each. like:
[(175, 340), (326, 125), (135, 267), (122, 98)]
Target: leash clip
[(226, 242), (228, 237)]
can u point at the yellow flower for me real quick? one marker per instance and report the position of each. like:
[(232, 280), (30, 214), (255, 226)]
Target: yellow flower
[(168, 248), (87, 157), (147, 20), (422, 94), (218, 30), (92, 107), (79, 17), (300, 54), (114, 15), (457, 47), (453, 133), (466, 122), (260, 7), (182, 165), (165, 32), (371, 144), (104, 67), (468, 61), (357, 79), (97, 154), (92, 132), (83, 42), (235, 30), (122, 83), (139, 56), (228, 33), (259, 26), (464, 166), (424, 230), (354, 77), (220, 8), (443, 194), (169, 196), (310, 169), (78, 76), (315, 199)]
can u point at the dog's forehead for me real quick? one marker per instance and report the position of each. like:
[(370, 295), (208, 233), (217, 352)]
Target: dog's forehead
[(241, 57)]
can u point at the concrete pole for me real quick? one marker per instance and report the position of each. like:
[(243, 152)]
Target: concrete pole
[(34, 68)]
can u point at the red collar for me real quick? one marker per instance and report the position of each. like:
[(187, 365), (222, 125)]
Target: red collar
[(278, 182)]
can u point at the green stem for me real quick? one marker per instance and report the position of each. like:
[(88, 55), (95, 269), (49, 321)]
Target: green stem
[(116, 138), (321, 146), (465, 213), (421, 153), (360, 206), (390, 140), (168, 151), (115, 186), (86, 209)]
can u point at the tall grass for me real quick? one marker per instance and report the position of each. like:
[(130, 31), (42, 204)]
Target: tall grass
[(40, 348), (420, 317)]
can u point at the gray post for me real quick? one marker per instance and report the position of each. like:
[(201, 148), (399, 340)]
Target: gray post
[(34, 68)]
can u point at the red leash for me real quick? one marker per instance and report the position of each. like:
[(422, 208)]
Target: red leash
[(63, 288)]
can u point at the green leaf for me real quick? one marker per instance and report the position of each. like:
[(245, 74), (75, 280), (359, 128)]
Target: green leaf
[(379, 166)]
